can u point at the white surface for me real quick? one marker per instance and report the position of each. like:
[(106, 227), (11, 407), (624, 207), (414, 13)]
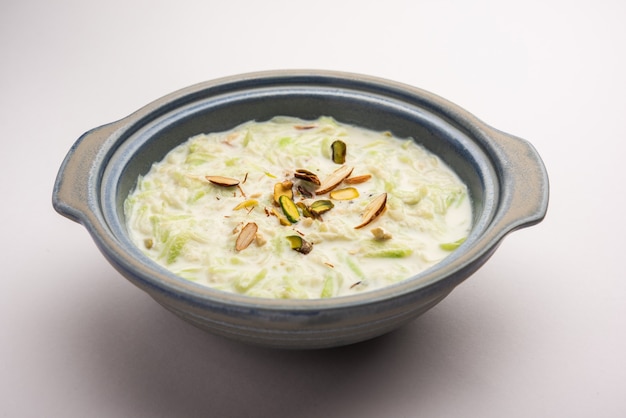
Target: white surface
[(537, 332)]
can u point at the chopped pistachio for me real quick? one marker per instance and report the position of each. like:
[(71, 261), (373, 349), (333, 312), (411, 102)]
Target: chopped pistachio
[(304, 209), (304, 191), (299, 244), (280, 216), (339, 151), (320, 206), (348, 193), (289, 208), (373, 210), (283, 189), (246, 236), (306, 175)]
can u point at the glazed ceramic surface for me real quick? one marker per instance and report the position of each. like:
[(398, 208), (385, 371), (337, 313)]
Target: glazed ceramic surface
[(506, 178)]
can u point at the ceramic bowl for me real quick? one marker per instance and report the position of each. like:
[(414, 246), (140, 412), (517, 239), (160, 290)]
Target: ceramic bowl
[(506, 178)]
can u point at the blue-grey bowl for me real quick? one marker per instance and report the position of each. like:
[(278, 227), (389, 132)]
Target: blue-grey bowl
[(507, 180)]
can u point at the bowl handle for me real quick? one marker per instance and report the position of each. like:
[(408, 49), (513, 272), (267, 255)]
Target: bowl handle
[(524, 200), (72, 193)]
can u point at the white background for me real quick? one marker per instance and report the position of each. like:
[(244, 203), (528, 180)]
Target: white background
[(537, 332)]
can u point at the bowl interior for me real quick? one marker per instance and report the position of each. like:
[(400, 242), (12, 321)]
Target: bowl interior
[(151, 137)]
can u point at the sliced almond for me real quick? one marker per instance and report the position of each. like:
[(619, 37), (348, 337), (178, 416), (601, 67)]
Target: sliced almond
[(334, 179), (348, 193), (222, 181), (246, 236), (358, 179), (373, 210)]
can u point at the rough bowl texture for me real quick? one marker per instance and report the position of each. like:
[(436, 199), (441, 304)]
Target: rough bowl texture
[(506, 178)]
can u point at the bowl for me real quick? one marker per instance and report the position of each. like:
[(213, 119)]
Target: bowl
[(506, 178)]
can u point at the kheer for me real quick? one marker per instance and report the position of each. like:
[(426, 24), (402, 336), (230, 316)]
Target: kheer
[(291, 208)]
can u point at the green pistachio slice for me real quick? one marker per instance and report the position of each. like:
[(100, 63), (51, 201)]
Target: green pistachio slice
[(348, 193), (304, 191), (304, 209), (289, 209), (274, 211), (283, 189), (306, 175), (339, 151), (320, 206), (299, 244)]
